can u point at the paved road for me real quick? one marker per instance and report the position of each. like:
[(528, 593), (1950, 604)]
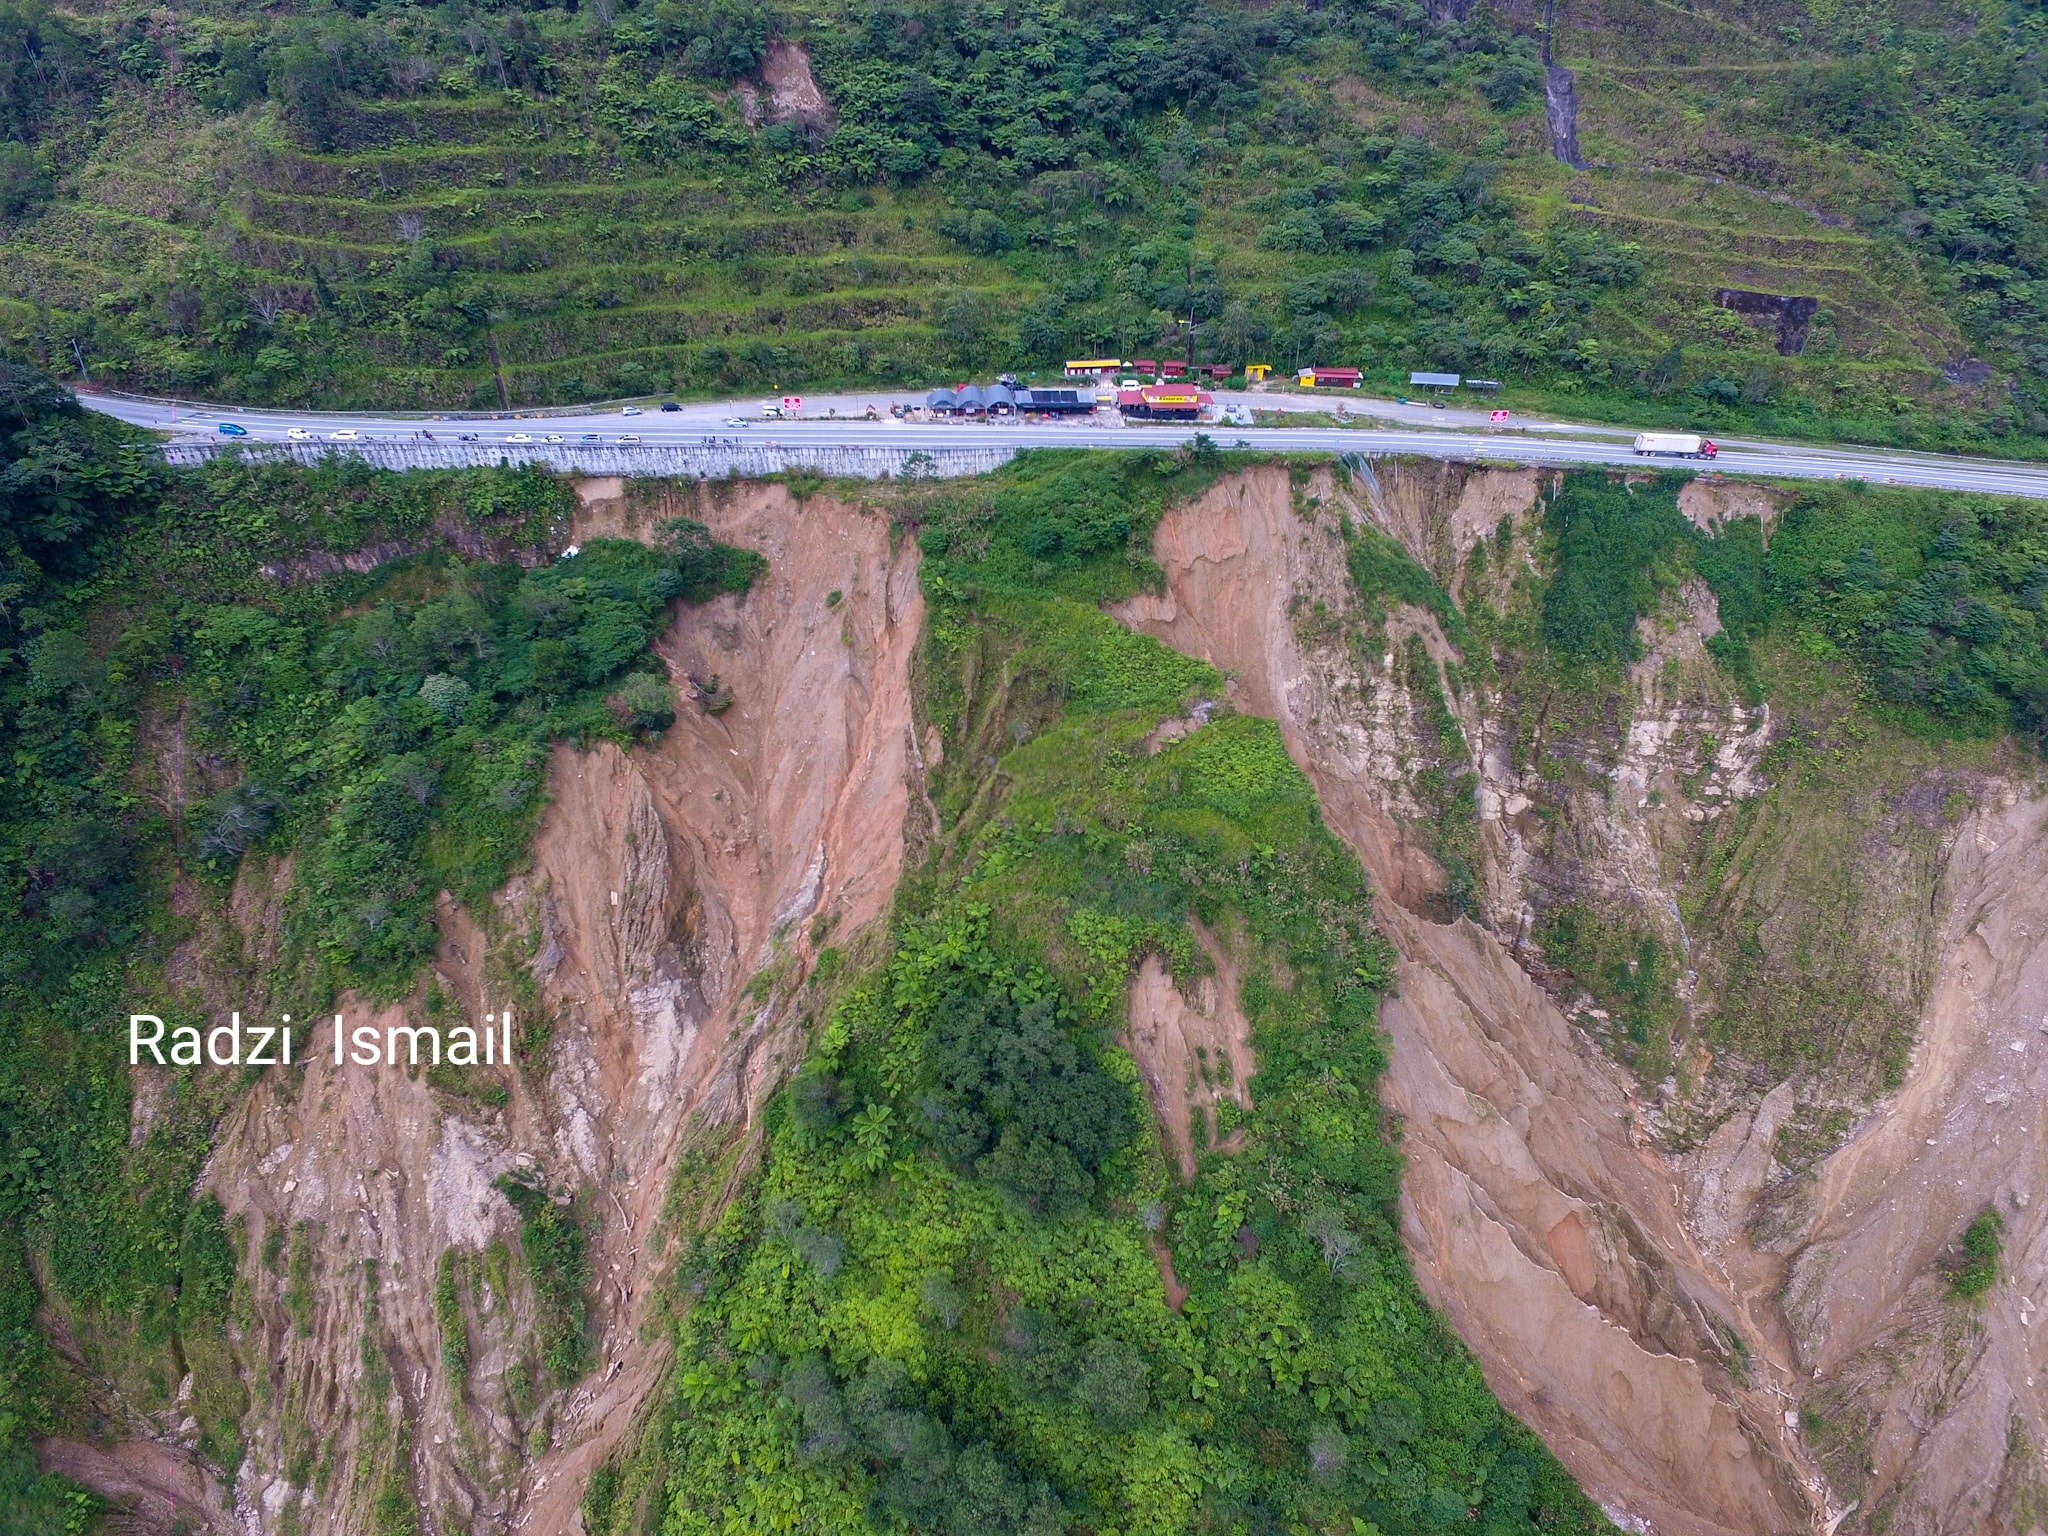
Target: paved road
[(1549, 443)]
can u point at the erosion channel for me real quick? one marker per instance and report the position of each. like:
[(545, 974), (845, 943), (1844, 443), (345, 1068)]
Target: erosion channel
[(1716, 1019), (1712, 1340)]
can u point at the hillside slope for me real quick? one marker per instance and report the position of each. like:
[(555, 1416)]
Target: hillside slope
[(1697, 1119), (1172, 993), (469, 207), (478, 774)]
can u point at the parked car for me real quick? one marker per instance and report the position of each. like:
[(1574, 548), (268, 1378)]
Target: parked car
[(229, 429), (670, 405), (631, 410), (299, 435), (345, 435)]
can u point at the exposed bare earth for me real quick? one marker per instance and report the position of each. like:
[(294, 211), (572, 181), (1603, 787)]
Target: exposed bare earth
[(1617, 1295), (1194, 1052), (1603, 1283), (162, 1486), (664, 880)]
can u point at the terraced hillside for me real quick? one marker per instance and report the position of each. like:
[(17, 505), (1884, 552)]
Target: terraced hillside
[(468, 206), (1713, 144), (441, 247)]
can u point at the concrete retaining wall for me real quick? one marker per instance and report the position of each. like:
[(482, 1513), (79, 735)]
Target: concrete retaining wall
[(660, 461)]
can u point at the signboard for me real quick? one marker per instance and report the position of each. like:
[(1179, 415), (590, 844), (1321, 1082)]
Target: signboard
[(1498, 417), (792, 402)]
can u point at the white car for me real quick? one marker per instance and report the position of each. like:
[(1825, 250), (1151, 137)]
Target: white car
[(736, 421), (520, 437), (555, 437), (631, 410), (299, 435), (629, 437), (345, 435)]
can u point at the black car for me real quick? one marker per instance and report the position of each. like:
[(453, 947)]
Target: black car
[(670, 405)]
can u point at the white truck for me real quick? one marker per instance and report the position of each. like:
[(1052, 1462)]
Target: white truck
[(1675, 445)]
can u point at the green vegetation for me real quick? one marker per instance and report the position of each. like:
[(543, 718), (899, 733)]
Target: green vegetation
[(42, 1502), (1384, 573), (1898, 637), (451, 1274), (1975, 1269), (941, 1303), (1629, 973), (557, 1263), (376, 203), (301, 1279), (1817, 900), (209, 1256), (401, 747), (1016, 1100), (1445, 784), (181, 685), (1614, 550), (1935, 598)]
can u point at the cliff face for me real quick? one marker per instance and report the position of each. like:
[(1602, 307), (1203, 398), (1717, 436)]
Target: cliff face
[(1712, 1340), (1716, 1333), (677, 901)]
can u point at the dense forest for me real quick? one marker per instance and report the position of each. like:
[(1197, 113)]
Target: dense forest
[(475, 205)]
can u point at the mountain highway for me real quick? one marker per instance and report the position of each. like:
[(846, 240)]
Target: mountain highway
[(1395, 428)]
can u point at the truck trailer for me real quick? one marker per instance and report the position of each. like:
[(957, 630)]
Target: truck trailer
[(1675, 445)]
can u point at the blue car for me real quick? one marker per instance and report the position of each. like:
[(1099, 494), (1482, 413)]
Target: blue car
[(229, 429)]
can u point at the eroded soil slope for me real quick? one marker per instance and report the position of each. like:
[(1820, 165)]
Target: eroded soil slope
[(1611, 1284), (678, 896)]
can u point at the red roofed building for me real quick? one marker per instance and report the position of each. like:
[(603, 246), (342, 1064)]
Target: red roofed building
[(1332, 378)]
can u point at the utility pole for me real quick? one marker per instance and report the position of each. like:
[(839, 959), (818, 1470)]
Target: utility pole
[(83, 372)]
